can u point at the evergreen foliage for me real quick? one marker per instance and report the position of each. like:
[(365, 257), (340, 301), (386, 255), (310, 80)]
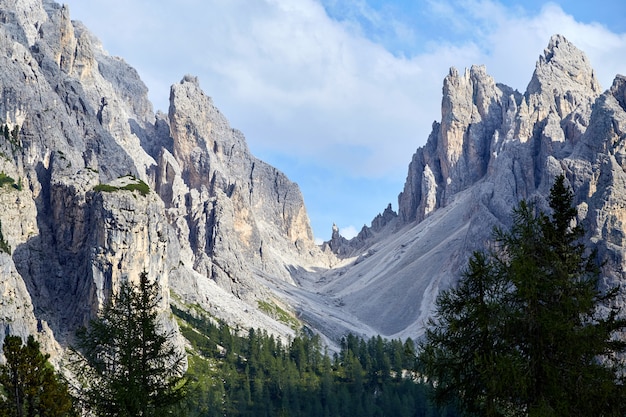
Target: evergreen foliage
[(4, 245), (527, 331), (132, 366), (31, 387), (139, 186), (258, 375), (11, 135), (6, 180)]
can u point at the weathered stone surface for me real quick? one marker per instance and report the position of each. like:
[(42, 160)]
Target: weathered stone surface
[(17, 313), (488, 127), (459, 148), (86, 133), (493, 147), (383, 224), (242, 215)]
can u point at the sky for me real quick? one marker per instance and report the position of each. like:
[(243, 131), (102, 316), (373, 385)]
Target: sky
[(339, 94)]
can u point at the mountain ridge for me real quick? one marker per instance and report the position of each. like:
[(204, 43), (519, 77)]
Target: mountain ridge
[(214, 216), (493, 147)]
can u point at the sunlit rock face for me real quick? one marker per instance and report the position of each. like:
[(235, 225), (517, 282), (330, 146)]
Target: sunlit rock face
[(492, 147), (487, 128), (241, 214), (103, 189)]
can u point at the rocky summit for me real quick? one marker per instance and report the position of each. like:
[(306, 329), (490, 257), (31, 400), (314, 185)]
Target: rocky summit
[(96, 188), (493, 147)]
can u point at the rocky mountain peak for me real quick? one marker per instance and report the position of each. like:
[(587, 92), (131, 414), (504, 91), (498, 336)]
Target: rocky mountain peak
[(459, 148), (618, 90), (472, 100), (241, 215), (100, 188), (204, 142), (480, 119), (564, 73)]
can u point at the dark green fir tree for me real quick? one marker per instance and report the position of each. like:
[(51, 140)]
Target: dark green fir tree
[(528, 331), (132, 367)]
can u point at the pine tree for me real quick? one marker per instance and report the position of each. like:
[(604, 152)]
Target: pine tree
[(463, 339), (133, 368), (32, 387), (523, 332)]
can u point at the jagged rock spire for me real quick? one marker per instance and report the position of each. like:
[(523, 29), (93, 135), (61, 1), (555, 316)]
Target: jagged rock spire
[(562, 68)]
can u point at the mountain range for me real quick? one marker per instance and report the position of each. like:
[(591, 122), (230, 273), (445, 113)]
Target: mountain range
[(96, 187)]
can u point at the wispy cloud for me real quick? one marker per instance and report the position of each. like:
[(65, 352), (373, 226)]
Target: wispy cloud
[(348, 232)]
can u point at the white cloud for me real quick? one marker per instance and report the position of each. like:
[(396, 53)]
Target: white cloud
[(348, 232), (320, 91)]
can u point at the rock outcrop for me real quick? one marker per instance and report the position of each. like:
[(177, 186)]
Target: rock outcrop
[(492, 147), (489, 127), (96, 188), (240, 214), (383, 224)]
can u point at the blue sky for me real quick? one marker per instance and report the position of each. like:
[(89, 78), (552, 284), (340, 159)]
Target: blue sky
[(339, 94)]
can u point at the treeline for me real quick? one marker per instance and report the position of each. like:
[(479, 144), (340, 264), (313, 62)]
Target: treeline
[(129, 365), (259, 375)]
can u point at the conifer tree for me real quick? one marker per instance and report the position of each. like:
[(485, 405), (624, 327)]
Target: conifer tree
[(31, 386), (524, 332), (132, 366)]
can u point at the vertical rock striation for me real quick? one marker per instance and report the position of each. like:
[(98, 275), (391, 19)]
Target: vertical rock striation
[(492, 147), (104, 189), (237, 215), (487, 128)]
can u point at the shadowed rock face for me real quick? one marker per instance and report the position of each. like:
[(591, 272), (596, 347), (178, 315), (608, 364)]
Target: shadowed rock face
[(104, 189)]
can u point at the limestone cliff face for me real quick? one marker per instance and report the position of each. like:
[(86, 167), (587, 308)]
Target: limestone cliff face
[(597, 171), (235, 213), (459, 148), (77, 118), (81, 144), (487, 128), (493, 147)]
